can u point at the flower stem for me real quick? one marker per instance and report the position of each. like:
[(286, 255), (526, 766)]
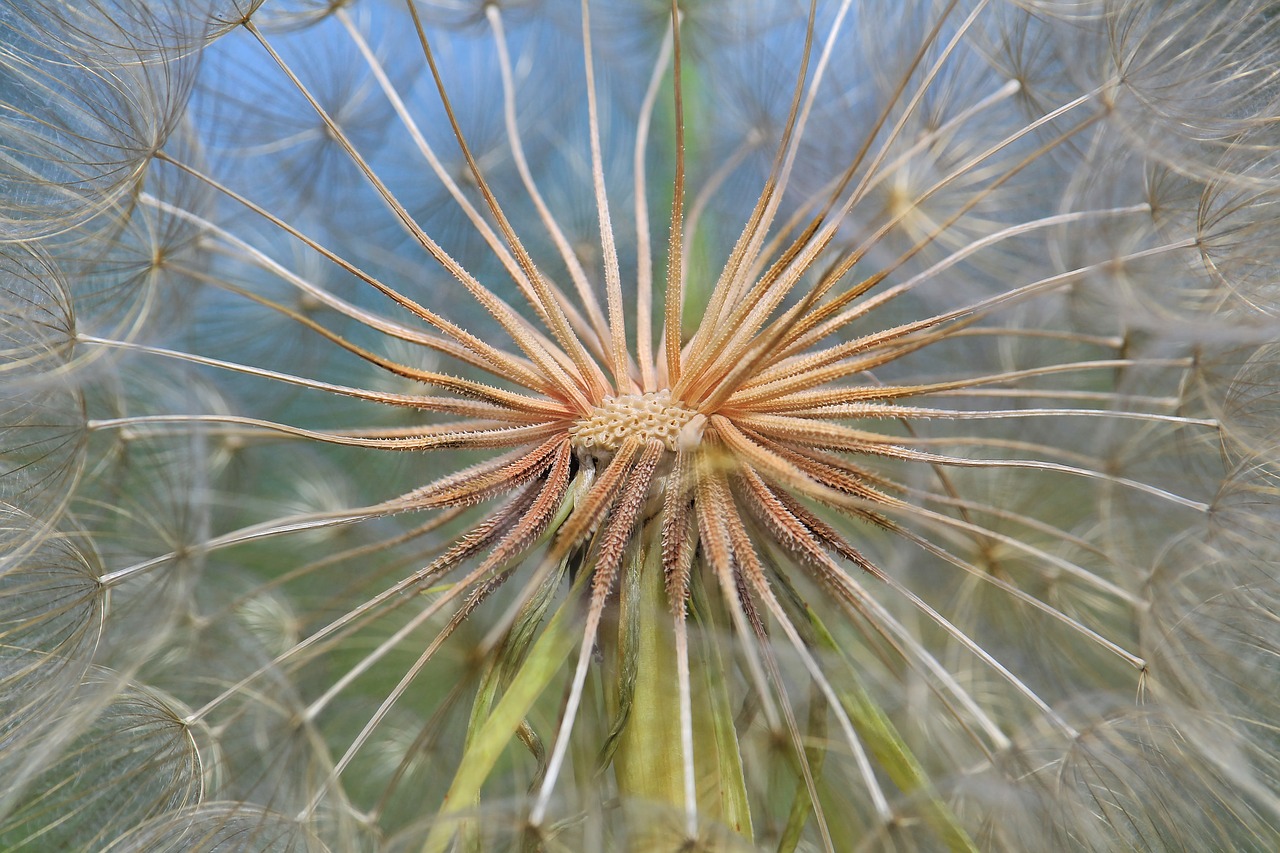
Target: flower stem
[(649, 762)]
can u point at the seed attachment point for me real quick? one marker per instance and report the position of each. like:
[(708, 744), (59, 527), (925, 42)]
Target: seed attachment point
[(655, 415)]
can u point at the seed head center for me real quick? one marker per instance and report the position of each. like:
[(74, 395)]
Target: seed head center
[(655, 415)]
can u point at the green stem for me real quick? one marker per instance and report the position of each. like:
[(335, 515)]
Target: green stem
[(649, 761)]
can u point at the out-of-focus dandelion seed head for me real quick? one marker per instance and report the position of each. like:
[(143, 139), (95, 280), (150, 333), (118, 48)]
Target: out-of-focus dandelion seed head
[(830, 425)]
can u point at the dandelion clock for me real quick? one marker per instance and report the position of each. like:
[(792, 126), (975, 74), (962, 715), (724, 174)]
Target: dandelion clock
[(437, 425)]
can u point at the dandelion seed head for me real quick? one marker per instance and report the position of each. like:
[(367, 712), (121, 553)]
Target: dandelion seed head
[(572, 425)]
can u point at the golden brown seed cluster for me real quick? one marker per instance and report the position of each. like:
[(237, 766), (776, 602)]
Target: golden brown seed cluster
[(644, 416)]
